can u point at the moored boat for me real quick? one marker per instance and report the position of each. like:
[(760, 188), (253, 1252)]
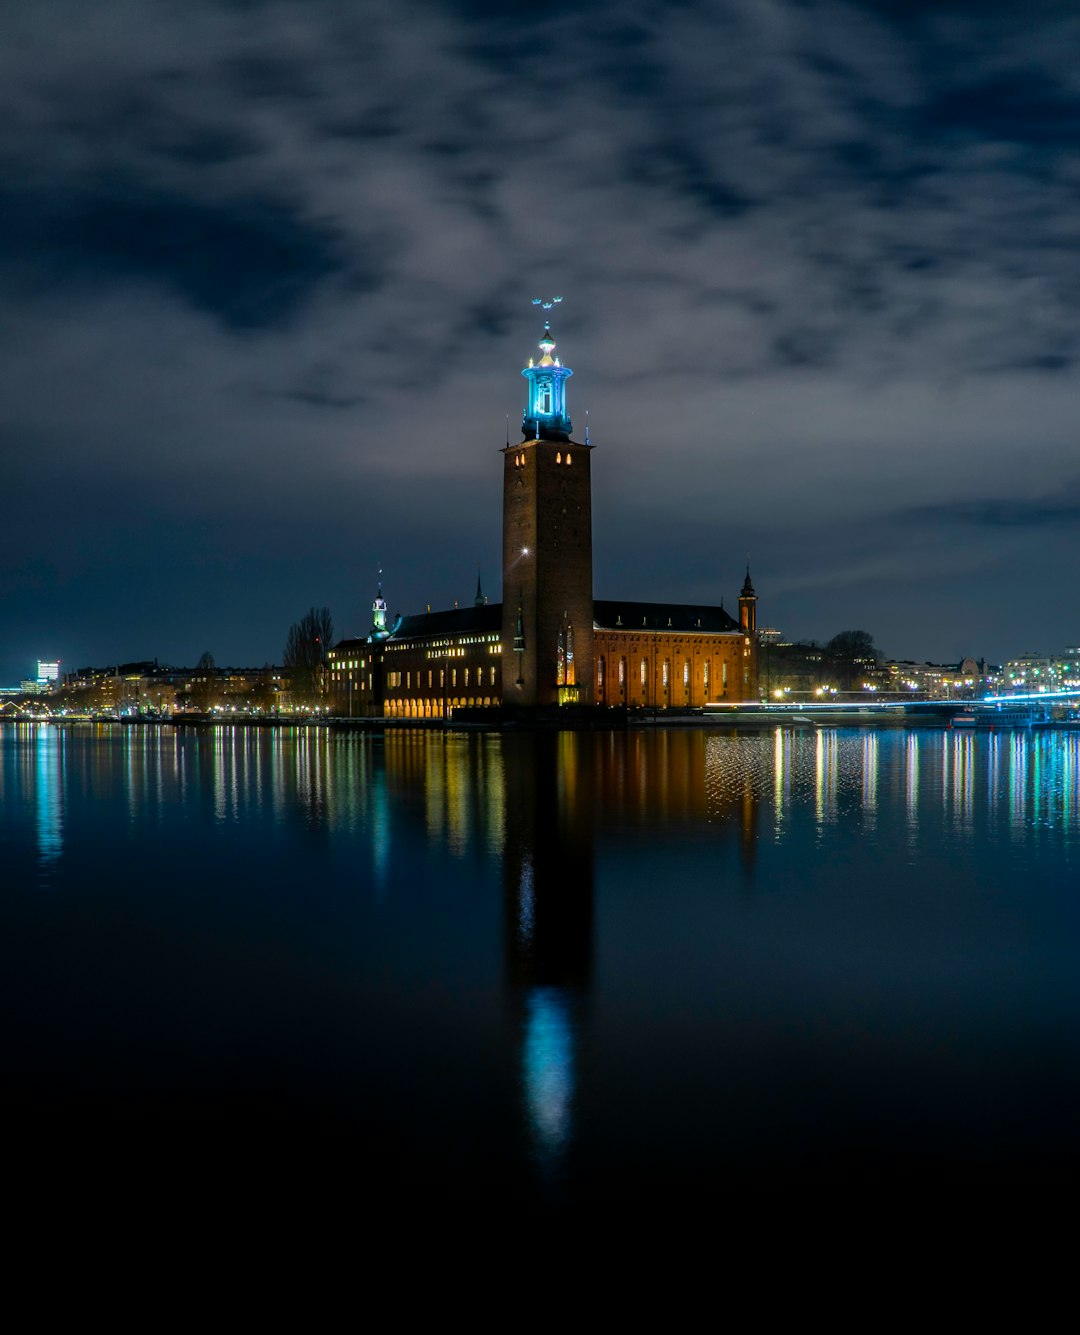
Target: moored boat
[(1004, 715)]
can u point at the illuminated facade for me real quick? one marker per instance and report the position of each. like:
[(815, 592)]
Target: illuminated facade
[(1037, 673), (550, 643)]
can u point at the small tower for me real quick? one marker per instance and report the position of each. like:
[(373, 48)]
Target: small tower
[(748, 605), (379, 629), (545, 416), (547, 548)]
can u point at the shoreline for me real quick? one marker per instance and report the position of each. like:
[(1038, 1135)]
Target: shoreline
[(750, 721)]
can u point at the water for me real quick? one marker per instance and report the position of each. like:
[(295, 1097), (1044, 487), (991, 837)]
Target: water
[(560, 971)]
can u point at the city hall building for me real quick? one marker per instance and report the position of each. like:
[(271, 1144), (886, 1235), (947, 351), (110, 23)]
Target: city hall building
[(549, 643)]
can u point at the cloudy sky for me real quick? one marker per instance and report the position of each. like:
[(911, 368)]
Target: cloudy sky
[(267, 274)]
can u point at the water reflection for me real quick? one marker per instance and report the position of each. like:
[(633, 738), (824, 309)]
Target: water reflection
[(548, 882), (48, 792), (548, 925), (911, 787), (468, 793)]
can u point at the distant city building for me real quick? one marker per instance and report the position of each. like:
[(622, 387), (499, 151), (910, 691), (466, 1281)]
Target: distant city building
[(549, 642), (967, 679), (146, 688), (47, 672), (1032, 672)]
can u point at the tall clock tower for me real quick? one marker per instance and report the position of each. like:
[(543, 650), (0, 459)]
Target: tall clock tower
[(547, 597)]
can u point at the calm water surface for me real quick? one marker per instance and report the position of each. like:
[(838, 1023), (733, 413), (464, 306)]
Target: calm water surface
[(557, 969)]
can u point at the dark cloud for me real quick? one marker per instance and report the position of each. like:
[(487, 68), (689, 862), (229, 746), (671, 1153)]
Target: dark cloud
[(248, 263), (267, 272), (1002, 513)]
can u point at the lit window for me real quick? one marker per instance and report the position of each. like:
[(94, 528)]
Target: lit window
[(644, 671)]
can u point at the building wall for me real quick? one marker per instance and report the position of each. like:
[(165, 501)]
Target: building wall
[(426, 678), (422, 677), (654, 670)]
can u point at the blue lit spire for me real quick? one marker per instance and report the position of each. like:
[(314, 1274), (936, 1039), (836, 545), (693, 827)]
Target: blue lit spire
[(545, 415)]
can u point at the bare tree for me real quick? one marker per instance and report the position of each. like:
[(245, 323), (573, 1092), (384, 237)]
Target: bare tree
[(306, 647), (853, 644)]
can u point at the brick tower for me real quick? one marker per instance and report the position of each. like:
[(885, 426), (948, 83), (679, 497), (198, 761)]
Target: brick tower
[(547, 625)]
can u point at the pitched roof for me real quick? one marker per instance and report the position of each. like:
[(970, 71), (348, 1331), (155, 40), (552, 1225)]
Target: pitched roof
[(686, 617), (456, 621)]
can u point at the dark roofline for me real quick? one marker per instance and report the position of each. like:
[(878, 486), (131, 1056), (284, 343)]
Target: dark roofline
[(687, 618)]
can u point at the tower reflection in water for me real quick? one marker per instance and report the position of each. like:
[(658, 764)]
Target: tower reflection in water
[(567, 796), (548, 928)]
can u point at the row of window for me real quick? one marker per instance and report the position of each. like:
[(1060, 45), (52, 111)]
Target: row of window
[(665, 673), (446, 643), (467, 676), (560, 458)]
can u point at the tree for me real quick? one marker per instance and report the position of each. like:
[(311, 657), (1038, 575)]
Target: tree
[(204, 684), (265, 691), (306, 647), (854, 657), (853, 645)]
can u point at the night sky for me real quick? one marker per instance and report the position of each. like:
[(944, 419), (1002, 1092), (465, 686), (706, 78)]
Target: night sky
[(267, 272)]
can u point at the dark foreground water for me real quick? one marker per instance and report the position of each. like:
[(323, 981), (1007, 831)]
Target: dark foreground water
[(570, 971)]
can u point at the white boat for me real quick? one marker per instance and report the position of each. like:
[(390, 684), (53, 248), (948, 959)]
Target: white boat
[(1003, 715)]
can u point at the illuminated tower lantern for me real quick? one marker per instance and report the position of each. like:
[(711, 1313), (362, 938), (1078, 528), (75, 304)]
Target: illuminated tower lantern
[(547, 618)]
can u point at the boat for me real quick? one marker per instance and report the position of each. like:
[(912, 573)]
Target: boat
[(1003, 715)]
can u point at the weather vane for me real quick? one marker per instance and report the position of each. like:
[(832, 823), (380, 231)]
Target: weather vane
[(547, 305)]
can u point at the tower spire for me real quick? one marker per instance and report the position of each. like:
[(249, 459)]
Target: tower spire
[(748, 604), (378, 614)]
